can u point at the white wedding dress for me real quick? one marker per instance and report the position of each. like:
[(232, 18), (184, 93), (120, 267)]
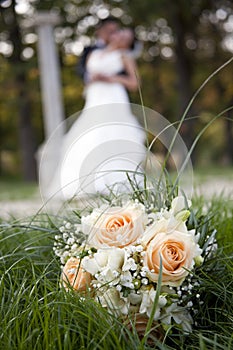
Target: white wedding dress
[(105, 143)]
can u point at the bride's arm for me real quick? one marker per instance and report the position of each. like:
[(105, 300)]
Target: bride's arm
[(130, 79)]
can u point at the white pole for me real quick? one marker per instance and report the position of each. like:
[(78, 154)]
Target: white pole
[(48, 154), (53, 111)]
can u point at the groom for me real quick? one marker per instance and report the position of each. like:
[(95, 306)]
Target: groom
[(104, 31)]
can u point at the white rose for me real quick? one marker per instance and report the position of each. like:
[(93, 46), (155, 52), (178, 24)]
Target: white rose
[(129, 264), (180, 315), (148, 297), (106, 262), (111, 299), (177, 211), (126, 279), (179, 203)]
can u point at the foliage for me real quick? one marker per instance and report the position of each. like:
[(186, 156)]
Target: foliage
[(180, 41)]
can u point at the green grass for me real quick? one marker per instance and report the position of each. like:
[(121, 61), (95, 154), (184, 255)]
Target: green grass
[(212, 172), (35, 313), (14, 189), (219, 210)]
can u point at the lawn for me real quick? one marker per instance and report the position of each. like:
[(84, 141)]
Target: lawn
[(12, 189), (35, 313), (15, 189)]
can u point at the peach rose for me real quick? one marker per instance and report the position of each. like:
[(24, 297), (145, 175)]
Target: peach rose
[(74, 275), (177, 250), (115, 227)]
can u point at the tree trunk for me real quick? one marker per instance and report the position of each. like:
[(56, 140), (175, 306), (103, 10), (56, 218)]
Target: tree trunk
[(228, 128), (26, 133), (184, 74), (229, 136)]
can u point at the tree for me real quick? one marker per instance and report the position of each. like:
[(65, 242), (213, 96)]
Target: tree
[(197, 34), (184, 41), (26, 132)]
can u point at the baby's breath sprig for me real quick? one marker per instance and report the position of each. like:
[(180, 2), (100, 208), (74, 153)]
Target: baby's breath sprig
[(68, 241)]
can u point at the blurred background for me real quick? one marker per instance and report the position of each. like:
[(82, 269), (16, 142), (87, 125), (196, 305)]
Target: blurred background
[(183, 42)]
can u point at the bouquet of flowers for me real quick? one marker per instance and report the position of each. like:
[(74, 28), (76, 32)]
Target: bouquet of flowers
[(137, 261)]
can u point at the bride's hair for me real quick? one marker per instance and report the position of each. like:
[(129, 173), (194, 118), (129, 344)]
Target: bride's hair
[(107, 20)]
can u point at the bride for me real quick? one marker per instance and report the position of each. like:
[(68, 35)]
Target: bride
[(106, 142)]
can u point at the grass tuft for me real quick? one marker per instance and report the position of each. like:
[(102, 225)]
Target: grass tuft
[(35, 313)]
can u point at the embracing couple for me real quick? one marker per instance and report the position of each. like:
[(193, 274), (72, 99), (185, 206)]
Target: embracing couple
[(110, 60), (106, 142)]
